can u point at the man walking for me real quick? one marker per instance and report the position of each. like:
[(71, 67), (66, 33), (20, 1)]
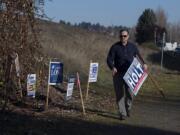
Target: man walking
[(120, 57)]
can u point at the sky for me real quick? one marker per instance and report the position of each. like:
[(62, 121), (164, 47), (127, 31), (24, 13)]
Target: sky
[(108, 12)]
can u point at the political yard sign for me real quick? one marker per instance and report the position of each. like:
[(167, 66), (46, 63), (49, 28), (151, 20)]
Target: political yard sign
[(31, 85), (70, 86), (93, 72), (135, 76), (55, 73)]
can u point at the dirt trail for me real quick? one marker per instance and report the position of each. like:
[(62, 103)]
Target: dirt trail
[(160, 114), (148, 116)]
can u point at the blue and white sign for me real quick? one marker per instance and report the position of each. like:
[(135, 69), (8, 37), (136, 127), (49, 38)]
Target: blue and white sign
[(135, 76), (55, 73), (70, 86), (93, 72), (31, 85)]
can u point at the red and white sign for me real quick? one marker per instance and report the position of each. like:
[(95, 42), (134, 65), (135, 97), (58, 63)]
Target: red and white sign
[(135, 76)]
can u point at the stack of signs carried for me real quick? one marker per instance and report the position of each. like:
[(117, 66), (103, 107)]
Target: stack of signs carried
[(31, 85), (93, 72), (135, 76)]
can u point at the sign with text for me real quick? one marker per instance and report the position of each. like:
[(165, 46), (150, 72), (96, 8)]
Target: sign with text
[(70, 86), (93, 72), (55, 73), (135, 76), (31, 85)]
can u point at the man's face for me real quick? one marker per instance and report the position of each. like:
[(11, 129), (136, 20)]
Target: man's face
[(124, 36)]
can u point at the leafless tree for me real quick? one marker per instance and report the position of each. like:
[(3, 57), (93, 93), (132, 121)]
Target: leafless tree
[(19, 34), (161, 17), (173, 32)]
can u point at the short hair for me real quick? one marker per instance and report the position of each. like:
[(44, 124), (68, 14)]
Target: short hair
[(124, 29)]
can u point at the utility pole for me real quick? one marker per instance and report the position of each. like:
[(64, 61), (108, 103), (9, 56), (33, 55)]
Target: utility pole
[(162, 49), (155, 35), (171, 36)]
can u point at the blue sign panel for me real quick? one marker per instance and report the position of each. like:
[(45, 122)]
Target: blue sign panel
[(55, 73), (71, 79)]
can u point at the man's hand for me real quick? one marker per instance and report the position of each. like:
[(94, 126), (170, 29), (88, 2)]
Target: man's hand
[(114, 71), (145, 67)]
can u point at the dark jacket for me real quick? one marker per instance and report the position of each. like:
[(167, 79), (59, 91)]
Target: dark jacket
[(121, 56)]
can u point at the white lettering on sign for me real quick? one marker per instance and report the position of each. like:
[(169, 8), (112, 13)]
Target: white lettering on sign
[(55, 70), (135, 75)]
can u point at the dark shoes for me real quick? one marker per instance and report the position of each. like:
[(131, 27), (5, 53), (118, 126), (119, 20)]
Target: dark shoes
[(128, 113), (122, 117)]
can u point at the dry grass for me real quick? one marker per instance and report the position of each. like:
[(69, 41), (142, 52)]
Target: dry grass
[(76, 47)]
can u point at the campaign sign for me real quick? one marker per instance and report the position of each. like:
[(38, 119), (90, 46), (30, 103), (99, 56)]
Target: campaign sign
[(55, 73), (135, 76), (70, 86), (93, 72), (31, 85)]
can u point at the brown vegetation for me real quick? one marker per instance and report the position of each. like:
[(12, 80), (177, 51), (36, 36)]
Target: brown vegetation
[(18, 35)]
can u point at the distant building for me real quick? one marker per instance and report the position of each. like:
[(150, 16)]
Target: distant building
[(170, 46), (178, 45)]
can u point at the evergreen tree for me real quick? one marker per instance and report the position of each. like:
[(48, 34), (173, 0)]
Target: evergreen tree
[(145, 26)]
